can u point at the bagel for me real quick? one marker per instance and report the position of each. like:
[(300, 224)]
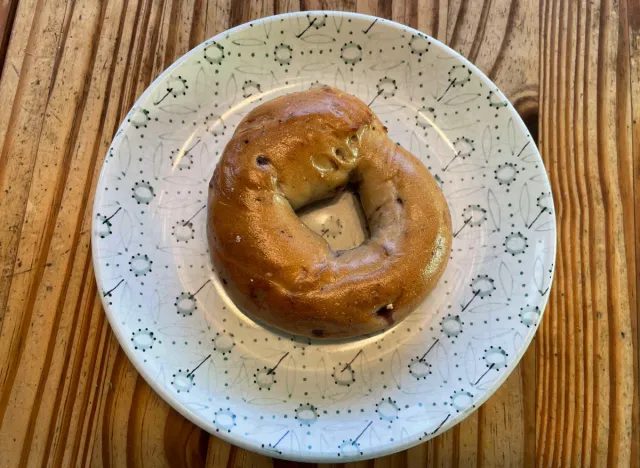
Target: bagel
[(304, 147)]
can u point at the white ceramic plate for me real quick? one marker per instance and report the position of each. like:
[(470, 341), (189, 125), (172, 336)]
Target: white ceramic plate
[(283, 396)]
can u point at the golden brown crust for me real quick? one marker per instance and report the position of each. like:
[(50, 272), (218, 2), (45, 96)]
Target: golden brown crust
[(303, 147)]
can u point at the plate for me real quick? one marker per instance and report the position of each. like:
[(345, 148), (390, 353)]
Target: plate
[(284, 396)]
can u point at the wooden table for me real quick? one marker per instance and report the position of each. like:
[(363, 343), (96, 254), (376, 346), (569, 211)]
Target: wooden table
[(71, 69)]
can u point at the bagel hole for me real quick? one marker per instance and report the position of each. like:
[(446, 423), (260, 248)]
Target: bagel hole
[(339, 220)]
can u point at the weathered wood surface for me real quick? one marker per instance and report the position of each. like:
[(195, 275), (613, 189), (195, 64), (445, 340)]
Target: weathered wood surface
[(71, 69)]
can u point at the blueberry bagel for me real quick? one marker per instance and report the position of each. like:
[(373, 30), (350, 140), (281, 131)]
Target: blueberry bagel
[(304, 147)]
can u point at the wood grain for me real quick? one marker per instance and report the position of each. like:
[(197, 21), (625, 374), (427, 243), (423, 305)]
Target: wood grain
[(71, 69)]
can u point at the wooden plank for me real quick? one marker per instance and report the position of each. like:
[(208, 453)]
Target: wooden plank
[(7, 16), (219, 453), (13, 54), (584, 408), (633, 25), (41, 288)]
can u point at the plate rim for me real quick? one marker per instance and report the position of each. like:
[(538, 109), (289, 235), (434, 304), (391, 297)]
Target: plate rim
[(240, 440)]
